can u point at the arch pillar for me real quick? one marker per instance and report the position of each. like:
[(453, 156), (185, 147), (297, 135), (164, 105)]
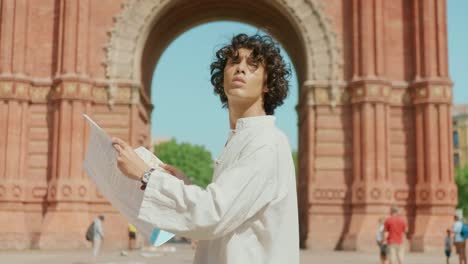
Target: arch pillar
[(66, 214), (14, 113), (431, 93)]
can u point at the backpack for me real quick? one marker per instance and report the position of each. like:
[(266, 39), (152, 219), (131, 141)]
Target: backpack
[(464, 231), (90, 232)]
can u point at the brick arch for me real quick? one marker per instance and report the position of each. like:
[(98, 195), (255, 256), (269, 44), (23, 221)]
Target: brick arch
[(143, 29)]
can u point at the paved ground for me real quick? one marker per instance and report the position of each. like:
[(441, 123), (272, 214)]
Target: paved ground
[(183, 254)]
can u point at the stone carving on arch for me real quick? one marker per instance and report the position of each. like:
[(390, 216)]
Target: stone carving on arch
[(323, 50)]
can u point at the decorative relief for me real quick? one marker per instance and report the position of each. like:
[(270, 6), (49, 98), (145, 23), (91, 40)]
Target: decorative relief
[(82, 191), (66, 190), (39, 94), (386, 91), (375, 193), (85, 90), (123, 94), (7, 88), (17, 90), (21, 89), (53, 192), (359, 92), (70, 89), (422, 92), (440, 194), (434, 92), (2, 191), (345, 97), (373, 90), (16, 191), (321, 96), (396, 99), (360, 193), (100, 95), (135, 97), (401, 195), (39, 192), (329, 194), (448, 92), (406, 98), (424, 195), (453, 194), (388, 194)]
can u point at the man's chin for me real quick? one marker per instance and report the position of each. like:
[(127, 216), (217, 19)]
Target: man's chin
[(240, 100)]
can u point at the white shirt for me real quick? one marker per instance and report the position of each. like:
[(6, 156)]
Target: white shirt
[(98, 231), (457, 228), (379, 236), (248, 214)]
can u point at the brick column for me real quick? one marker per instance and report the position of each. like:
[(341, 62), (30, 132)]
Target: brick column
[(14, 113), (370, 94), (67, 217), (306, 120), (435, 190)]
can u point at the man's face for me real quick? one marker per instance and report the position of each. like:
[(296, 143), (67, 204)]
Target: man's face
[(244, 78)]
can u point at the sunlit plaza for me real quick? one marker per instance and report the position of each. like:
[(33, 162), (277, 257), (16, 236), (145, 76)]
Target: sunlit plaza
[(183, 254)]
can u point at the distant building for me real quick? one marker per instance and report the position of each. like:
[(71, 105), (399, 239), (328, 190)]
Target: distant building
[(460, 135)]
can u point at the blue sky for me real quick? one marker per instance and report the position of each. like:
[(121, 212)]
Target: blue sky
[(458, 45), (186, 109)]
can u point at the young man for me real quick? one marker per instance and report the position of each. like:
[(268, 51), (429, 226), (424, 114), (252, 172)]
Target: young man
[(395, 229), (248, 214)]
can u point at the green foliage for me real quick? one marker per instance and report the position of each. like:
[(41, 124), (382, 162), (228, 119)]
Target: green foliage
[(461, 179), (296, 164), (195, 161)]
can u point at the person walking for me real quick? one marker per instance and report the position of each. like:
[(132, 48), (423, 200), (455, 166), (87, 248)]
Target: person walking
[(98, 235), (395, 228), (458, 239), (379, 236)]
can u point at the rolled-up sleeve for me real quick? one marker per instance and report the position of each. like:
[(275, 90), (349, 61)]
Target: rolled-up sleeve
[(237, 194)]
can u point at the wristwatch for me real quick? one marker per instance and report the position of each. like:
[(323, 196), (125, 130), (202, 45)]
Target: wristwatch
[(145, 178)]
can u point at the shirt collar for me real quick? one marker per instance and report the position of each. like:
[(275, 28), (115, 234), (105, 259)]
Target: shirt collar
[(255, 121)]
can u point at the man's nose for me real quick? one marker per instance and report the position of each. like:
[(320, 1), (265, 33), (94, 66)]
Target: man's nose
[(241, 66)]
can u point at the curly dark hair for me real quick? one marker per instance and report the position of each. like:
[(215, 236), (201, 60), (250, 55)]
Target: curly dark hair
[(265, 51)]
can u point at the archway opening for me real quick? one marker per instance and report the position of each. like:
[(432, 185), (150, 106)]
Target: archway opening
[(185, 107)]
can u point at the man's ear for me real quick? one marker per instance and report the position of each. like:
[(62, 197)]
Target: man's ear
[(265, 89)]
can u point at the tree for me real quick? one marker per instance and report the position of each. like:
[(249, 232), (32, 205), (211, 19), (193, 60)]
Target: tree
[(195, 161), (461, 179), (296, 165)]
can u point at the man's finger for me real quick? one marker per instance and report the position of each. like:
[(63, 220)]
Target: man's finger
[(120, 142), (117, 147)]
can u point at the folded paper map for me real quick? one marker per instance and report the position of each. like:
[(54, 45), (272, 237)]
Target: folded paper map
[(123, 193)]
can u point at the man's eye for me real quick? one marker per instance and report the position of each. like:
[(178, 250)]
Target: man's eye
[(234, 61), (253, 65)]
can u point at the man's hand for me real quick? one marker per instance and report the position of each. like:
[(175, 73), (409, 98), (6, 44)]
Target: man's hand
[(128, 161), (177, 173)]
